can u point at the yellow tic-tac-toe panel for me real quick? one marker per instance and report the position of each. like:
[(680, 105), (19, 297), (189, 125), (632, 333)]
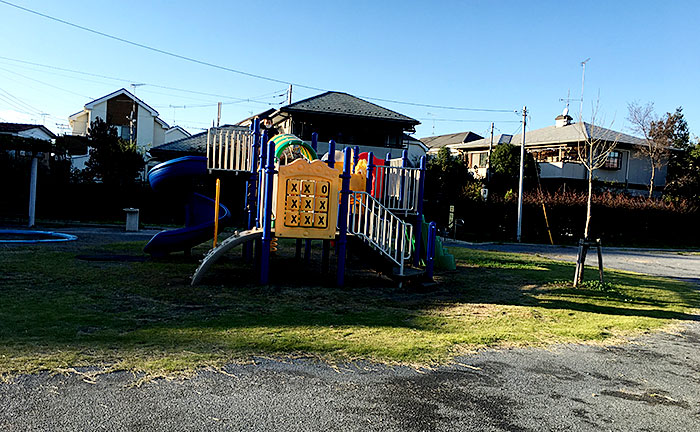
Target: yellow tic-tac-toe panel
[(307, 204), (322, 189), (291, 219), (293, 187), (308, 187), (321, 205)]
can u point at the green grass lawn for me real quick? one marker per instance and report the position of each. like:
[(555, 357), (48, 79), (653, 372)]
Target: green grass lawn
[(58, 311)]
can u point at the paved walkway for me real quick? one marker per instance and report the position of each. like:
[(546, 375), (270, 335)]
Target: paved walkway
[(680, 264)]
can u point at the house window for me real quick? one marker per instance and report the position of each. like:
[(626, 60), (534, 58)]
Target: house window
[(478, 160), (614, 160), (123, 132)]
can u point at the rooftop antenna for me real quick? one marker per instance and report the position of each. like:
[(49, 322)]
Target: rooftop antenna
[(134, 85), (433, 116), (583, 80)]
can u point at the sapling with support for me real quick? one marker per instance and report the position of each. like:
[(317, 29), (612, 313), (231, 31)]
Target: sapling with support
[(593, 149)]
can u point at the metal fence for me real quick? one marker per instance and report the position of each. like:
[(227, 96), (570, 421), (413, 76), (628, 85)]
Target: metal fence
[(229, 150), (369, 220), (396, 188)]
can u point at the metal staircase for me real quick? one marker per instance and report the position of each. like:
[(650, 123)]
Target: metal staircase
[(373, 223)]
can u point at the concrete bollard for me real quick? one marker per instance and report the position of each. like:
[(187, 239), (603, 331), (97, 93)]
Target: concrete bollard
[(132, 219)]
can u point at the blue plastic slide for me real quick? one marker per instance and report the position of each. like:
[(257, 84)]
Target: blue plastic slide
[(175, 177)]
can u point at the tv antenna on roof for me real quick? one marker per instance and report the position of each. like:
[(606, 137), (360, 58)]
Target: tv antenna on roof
[(134, 85), (583, 80)]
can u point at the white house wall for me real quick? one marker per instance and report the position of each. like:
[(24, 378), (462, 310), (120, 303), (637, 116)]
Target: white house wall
[(35, 133), (80, 124), (99, 110), (173, 134), (145, 129)]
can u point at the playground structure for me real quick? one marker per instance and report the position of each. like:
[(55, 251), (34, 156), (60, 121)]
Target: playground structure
[(377, 202)]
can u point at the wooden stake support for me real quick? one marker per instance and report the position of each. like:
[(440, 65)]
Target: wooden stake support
[(583, 246)]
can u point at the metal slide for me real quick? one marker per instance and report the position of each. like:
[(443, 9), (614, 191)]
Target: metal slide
[(174, 178), (214, 254)]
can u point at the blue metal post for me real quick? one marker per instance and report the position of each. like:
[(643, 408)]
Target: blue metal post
[(419, 212), (263, 162), (314, 141), (251, 198), (267, 214), (430, 256), (261, 196), (370, 172), (343, 217), (355, 157), (331, 154)]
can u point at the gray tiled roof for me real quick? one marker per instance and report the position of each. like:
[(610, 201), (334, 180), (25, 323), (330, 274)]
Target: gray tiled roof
[(450, 139), (193, 145), (337, 103), (559, 135), (13, 128)]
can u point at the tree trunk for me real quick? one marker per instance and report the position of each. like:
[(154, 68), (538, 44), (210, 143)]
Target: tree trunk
[(651, 182), (588, 204)]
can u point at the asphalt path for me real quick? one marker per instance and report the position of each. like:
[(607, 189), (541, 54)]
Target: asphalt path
[(651, 383), (679, 264)]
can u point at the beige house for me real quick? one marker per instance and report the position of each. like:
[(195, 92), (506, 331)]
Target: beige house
[(133, 118), (435, 143), (555, 149)]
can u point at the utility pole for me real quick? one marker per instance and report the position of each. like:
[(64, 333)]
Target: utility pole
[(218, 115), (134, 114), (289, 95), (522, 175), (488, 159)]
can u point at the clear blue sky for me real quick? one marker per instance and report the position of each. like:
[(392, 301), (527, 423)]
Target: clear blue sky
[(473, 54)]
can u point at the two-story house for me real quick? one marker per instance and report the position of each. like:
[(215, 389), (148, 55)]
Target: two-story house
[(555, 149), (135, 121)]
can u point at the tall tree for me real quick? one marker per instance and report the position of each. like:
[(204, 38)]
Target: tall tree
[(645, 123), (683, 178), (113, 160)]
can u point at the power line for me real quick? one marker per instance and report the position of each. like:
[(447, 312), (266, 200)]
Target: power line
[(158, 50), (20, 102), (46, 84), (228, 69), (467, 121), (437, 106), (217, 95)]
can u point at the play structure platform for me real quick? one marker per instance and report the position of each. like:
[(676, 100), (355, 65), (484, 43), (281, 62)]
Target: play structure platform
[(291, 193)]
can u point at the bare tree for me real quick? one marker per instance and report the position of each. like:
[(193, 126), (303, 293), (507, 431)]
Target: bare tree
[(645, 123), (593, 148)]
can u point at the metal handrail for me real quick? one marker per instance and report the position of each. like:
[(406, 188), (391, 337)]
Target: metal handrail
[(229, 150), (397, 188), (376, 225)]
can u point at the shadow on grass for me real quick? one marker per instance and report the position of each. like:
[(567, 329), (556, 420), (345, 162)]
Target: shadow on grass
[(50, 298)]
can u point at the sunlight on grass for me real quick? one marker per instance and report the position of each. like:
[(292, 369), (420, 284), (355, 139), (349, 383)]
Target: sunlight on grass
[(61, 312)]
